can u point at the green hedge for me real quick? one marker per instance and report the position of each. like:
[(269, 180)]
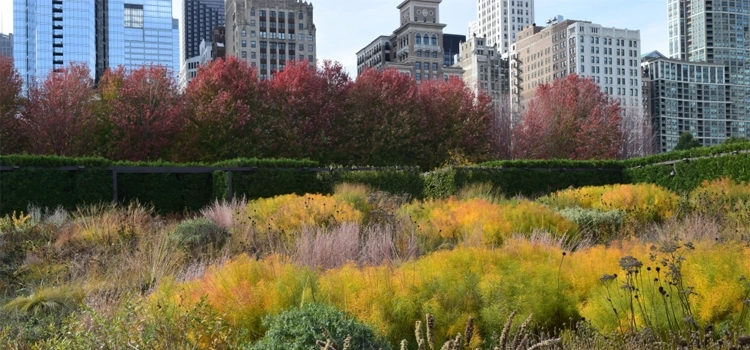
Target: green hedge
[(33, 184), (36, 184), (683, 176), (402, 181), (518, 180)]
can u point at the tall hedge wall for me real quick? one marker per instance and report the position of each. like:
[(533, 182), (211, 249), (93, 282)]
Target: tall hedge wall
[(37, 182)]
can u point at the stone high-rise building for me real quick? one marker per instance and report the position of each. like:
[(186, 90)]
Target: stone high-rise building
[(268, 33), (499, 21), (609, 56), (415, 48), (484, 69)]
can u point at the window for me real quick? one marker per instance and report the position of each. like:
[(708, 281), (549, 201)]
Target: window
[(418, 40), (262, 13), (419, 53), (302, 47), (252, 33), (133, 16), (301, 26), (309, 37), (434, 54), (310, 58), (252, 54), (252, 12), (252, 44), (244, 43), (434, 67), (301, 15), (434, 40), (310, 47), (281, 14), (244, 54), (418, 66), (252, 23), (244, 33), (418, 76)]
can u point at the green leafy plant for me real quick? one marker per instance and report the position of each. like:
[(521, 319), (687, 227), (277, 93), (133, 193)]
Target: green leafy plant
[(195, 234), (300, 329)]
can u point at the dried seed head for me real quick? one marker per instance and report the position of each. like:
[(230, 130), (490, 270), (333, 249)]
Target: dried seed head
[(469, 331), (430, 331)]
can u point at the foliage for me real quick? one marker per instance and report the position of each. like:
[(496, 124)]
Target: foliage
[(57, 118), (47, 301), (12, 139), (451, 220), (142, 112), (722, 198), (223, 104), (570, 119), (197, 234), (285, 215), (641, 202), (601, 224), (686, 141), (244, 290), (300, 328), (519, 178)]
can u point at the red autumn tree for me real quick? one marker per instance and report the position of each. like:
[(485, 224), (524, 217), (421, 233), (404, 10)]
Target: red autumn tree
[(303, 102), (456, 124), (571, 118), (57, 118), (223, 104), (12, 139), (144, 112), (379, 123)]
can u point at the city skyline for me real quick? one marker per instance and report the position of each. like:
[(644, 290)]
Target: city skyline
[(375, 17)]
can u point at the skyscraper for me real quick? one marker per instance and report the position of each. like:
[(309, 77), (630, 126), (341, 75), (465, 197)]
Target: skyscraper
[(500, 20), (199, 17), (268, 33), (6, 45), (131, 33), (714, 32), (50, 34)]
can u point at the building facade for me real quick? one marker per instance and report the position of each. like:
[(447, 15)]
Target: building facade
[(716, 32), (47, 35), (686, 96), (499, 21), (484, 69), (268, 33), (609, 56), (199, 17), (129, 33), (415, 48), (190, 67), (6, 45), (452, 48)]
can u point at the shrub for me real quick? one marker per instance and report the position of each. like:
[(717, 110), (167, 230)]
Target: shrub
[(722, 198), (601, 224), (243, 291), (47, 301), (194, 234), (356, 195), (287, 214), (451, 220), (300, 328), (642, 202)]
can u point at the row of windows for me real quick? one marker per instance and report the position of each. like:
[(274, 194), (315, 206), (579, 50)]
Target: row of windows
[(272, 14), (428, 40), (418, 66), (274, 45)]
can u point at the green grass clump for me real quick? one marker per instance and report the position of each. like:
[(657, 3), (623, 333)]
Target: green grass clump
[(47, 301), (195, 234)]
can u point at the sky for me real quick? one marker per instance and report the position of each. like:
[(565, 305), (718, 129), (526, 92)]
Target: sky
[(346, 26)]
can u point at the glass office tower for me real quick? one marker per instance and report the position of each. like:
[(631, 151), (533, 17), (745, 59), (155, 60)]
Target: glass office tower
[(717, 32), (98, 33), (49, 34)]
